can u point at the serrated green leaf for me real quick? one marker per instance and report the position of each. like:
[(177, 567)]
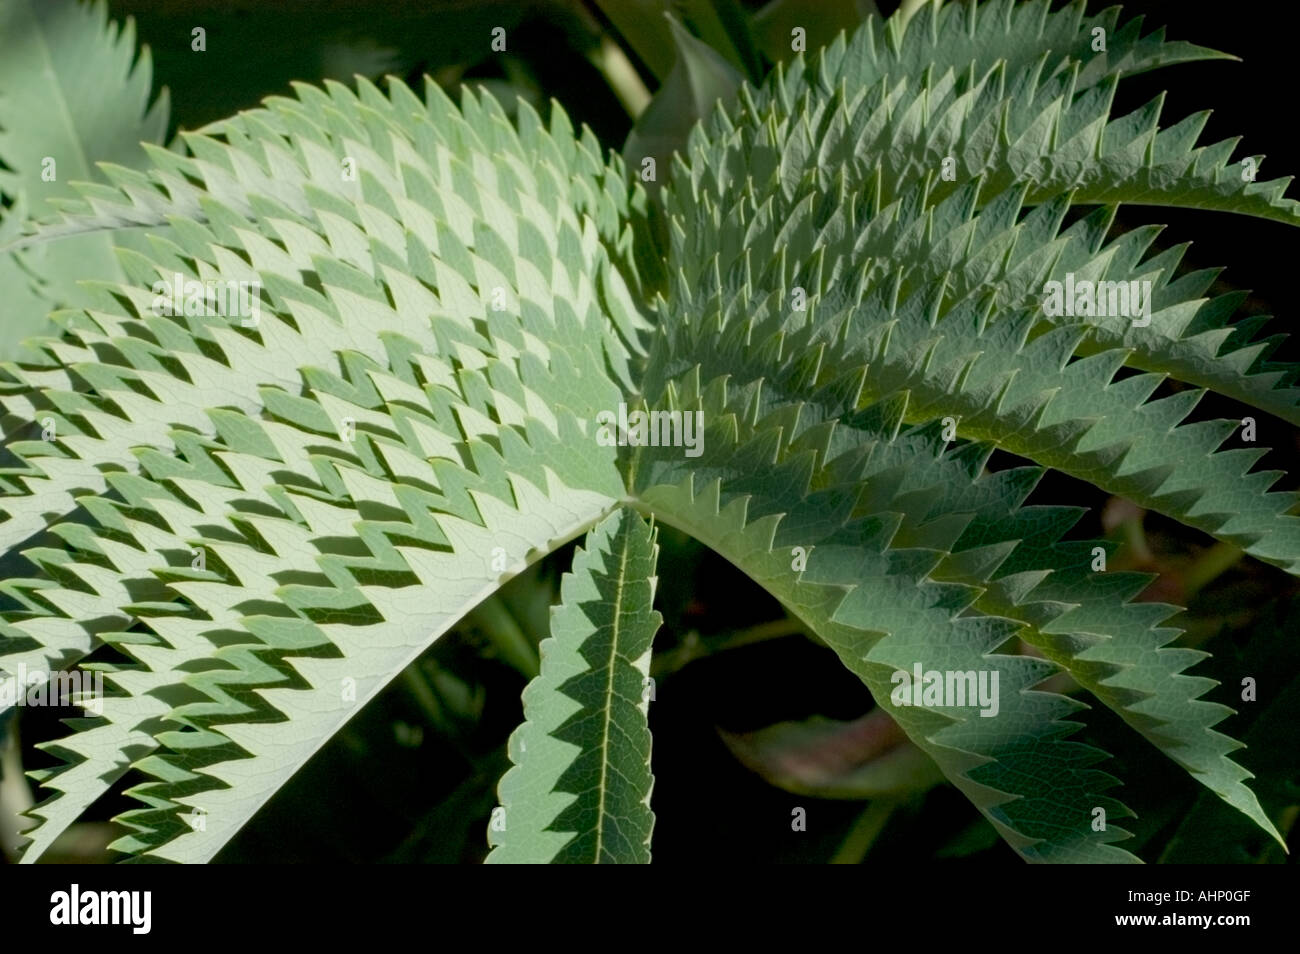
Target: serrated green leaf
[(73, 93), (579, 790)]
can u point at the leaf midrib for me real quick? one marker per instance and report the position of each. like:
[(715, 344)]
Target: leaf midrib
[(609, 698)]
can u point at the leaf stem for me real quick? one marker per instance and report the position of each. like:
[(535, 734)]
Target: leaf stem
[(864, 832), (693, 647), (15, 796), (1214, 562), (503, 631), (621, 76)]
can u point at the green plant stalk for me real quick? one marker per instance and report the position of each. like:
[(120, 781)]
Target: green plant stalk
[(1136, 539), (864, 832), (506, 636), (15, 795), (621, 76), (424, 697), (696, 648), (1216, 561), (418, 688)]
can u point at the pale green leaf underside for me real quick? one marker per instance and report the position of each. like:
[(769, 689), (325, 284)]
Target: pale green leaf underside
[(432, 428), (72, 93)]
